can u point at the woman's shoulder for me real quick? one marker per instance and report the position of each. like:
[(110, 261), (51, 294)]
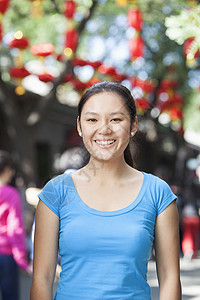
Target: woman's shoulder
[(59, 179)]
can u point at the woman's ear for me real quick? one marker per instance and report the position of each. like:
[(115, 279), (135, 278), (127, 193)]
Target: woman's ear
[(78, 126), (134, 127)]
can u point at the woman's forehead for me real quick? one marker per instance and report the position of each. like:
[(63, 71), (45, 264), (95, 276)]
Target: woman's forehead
[(106, 101)]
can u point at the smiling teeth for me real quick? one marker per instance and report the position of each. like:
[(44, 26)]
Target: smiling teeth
[(105, 142)]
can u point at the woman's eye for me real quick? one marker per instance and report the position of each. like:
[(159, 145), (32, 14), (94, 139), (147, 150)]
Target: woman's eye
[(91, 120), (116, 120)]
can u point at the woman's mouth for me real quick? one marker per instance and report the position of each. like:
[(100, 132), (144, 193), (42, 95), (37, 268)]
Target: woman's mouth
[(105, 143)]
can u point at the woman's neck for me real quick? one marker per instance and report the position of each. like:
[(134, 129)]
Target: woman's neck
[(100, 170)]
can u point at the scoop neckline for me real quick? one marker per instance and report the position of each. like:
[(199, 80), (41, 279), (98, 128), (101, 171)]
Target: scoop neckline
[(123, 210)]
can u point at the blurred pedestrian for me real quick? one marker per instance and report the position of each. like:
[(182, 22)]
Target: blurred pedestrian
[(12, 232), (191, 227), (105, 216)]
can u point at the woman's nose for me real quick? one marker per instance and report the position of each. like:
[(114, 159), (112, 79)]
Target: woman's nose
[(105, 128)]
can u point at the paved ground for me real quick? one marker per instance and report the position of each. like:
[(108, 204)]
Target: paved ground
[(190, 278)]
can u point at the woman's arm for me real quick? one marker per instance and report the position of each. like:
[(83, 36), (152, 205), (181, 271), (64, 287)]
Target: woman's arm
[(167, 253), (45, 253)]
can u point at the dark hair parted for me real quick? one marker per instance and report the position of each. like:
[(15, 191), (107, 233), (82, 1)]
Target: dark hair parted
[(128, 101)]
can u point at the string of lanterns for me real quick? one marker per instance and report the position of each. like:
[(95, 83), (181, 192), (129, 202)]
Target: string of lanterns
[(172, 105)]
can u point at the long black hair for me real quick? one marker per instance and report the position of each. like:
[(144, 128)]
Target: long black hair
[(126, 97)]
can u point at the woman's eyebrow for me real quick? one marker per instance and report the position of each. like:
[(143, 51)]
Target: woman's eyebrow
[(90, 113), (117, 113), (113, 113)]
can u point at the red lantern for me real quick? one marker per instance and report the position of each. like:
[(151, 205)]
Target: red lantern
[(78, 85), (19, 72), (187, 47), (71, 39), (46, 77), (136, 47), (69, 9), (142, 105), (92, 81), (43, 49), (175, 113), (107, 70), (79, 62), (21, 43), (4, 5), (169, 84), (147, 86), (135, 18), (95, 64), (119, 77)]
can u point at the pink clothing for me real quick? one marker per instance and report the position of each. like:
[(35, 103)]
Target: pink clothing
[(12, 232)]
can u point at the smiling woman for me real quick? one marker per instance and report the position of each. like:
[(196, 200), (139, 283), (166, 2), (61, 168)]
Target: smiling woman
[(105, 124), (106, 215), (111, 108)]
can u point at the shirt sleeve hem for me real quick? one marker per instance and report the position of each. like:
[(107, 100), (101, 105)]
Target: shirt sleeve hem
[(166, 204), (46, 202)]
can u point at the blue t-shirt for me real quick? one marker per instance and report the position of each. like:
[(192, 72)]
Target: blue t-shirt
[(104, 254)]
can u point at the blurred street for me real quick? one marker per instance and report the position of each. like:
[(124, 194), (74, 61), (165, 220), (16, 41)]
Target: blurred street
[(190, 278)]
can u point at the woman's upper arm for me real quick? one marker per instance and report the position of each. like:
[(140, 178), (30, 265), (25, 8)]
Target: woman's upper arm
[(45, 242), (167, 243)]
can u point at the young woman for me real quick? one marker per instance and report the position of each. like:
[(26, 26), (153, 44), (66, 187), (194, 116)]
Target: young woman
[(104, 217)]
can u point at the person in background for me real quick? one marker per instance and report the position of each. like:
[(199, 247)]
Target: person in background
[(105, 216), (12, 232)]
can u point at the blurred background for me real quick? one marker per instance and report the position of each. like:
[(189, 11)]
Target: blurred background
[(52, 50)]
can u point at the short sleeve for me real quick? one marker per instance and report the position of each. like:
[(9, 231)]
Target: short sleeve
[(50, 195), (164, 195)]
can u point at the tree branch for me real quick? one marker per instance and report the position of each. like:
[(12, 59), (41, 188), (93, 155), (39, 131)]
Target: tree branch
[(55, 6), (36, 115)]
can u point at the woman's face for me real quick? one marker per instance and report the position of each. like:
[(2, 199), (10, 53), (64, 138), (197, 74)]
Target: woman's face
[(105, 125)]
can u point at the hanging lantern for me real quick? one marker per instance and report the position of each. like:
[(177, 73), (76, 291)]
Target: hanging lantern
[(4, 4), (69, 9), (79, 62), (46, 77), (21, 43), (78, 85), (43, 49), (135, 20), (142, 105), (136, 47), (175, 113), (92, 81), (148, 86), (18, 74), (189, 47), (107, 70), (119, 77), (37, 9), (71, 39), (95, 64)]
